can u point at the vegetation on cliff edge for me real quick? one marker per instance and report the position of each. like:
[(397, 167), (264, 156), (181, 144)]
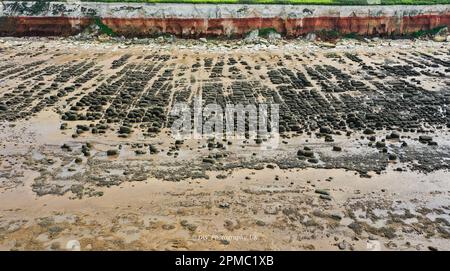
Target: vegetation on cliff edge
[(293, 2)]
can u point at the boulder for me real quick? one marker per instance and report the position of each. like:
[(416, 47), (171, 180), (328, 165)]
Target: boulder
[(441, 35), (425, 138), (273, 36), (311, 37), (252, 36)]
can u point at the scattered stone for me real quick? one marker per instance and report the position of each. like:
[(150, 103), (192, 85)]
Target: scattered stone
[(342, 245), (322, 192), (327, 45), (311, 37), (325, 197), (260, 223), (112, 152), (313, 160), (431, 248), (139, 152), (153, 149), (66, 147), (188, 226), (124, 130), (325, 130), (208, 160), (168, 227), (393, 135), (380, 144), (305, 153), (55, 246), (425, 139), (336, 216)]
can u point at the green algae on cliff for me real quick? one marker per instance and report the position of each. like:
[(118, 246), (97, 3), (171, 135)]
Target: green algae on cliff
[(103, 27)]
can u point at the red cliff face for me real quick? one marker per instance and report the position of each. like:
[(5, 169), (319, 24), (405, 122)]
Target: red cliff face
[(185, 27), (41, 26)]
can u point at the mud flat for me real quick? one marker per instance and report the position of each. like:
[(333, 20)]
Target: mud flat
[(86, 152)]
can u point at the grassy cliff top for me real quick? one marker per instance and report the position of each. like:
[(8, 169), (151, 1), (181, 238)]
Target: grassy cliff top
[(293, 2), (299, 2)]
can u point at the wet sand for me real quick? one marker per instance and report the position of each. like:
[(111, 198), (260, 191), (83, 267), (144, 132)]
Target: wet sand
[(247, 198)]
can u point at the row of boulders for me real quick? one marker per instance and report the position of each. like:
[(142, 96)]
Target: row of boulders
[(442, 35)]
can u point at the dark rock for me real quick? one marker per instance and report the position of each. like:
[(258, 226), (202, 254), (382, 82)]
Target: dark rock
[(356, 227), (313, 160), (112, 152), (305, 153), (393, 135), (325, 130), (124, 130), (153, 149), (431, 248), (325, 197), (208, 160), (380, 144), (425, 138), (260, 223), (368, 131), (224, 205), (322, 192)]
